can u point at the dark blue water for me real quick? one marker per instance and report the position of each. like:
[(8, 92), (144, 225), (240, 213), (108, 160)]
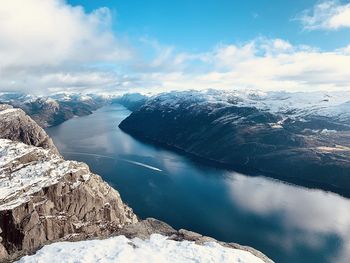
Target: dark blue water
[(288, 223)]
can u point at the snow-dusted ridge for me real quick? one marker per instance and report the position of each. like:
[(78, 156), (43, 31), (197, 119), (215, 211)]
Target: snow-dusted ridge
[(289, 136), (156, 249), (291, 104)]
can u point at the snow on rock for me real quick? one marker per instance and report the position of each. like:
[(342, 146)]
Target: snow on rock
[(156, 249), (44, 198), (7, 111), (19, 180)]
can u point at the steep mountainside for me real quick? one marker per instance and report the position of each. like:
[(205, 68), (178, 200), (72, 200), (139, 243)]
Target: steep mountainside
[(44, 198), (17, 126), (300, 138)]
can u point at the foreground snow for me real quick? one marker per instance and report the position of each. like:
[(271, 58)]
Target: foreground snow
[(121, 249)]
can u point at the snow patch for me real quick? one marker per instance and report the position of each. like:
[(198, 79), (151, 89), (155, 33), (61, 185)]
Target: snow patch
[(156, 249), (8, 111)]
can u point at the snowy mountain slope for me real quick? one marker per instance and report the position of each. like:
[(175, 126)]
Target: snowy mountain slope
[(302, 138), (286, 104)]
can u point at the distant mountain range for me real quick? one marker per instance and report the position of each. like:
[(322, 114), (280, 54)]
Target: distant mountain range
[(54, 109), (303, 138)]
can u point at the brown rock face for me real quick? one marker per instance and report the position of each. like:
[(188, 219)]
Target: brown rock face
[(17, 126), (45, 198)]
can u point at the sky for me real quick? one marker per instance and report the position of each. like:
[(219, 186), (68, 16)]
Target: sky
[(114, 46)]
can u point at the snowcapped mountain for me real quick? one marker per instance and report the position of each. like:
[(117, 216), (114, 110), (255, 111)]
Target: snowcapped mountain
[(54, 109), (296, 105), (302, 138)]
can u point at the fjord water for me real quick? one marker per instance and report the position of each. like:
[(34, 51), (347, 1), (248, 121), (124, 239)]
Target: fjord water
[(286, 222)]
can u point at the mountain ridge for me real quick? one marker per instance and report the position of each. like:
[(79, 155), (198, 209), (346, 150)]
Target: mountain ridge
[(248, 133)]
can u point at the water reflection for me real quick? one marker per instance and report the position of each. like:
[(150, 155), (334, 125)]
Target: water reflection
[(288, 223), (309, 218)]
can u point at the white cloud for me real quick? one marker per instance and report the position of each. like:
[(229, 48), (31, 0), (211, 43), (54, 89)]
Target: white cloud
[(328, 15), (48, 45), (50, 35), (267, 64)]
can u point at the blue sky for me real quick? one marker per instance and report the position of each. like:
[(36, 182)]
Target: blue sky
[(115, 46), (198, 25)]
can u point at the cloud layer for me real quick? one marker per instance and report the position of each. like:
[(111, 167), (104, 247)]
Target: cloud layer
[(327, 15), (46, 40), (268, 64), (49, 46)]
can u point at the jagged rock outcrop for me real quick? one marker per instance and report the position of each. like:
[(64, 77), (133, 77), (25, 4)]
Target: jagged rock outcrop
[(17, 126), (44, 198)]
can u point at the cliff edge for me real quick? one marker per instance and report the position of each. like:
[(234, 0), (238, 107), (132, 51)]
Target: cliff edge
[(43, 197)]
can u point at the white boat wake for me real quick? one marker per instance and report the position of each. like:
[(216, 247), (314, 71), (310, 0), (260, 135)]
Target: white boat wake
[(143, 165)]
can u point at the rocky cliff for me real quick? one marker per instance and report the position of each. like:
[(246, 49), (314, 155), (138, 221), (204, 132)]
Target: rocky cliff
[(43, 197), (17, 126)]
